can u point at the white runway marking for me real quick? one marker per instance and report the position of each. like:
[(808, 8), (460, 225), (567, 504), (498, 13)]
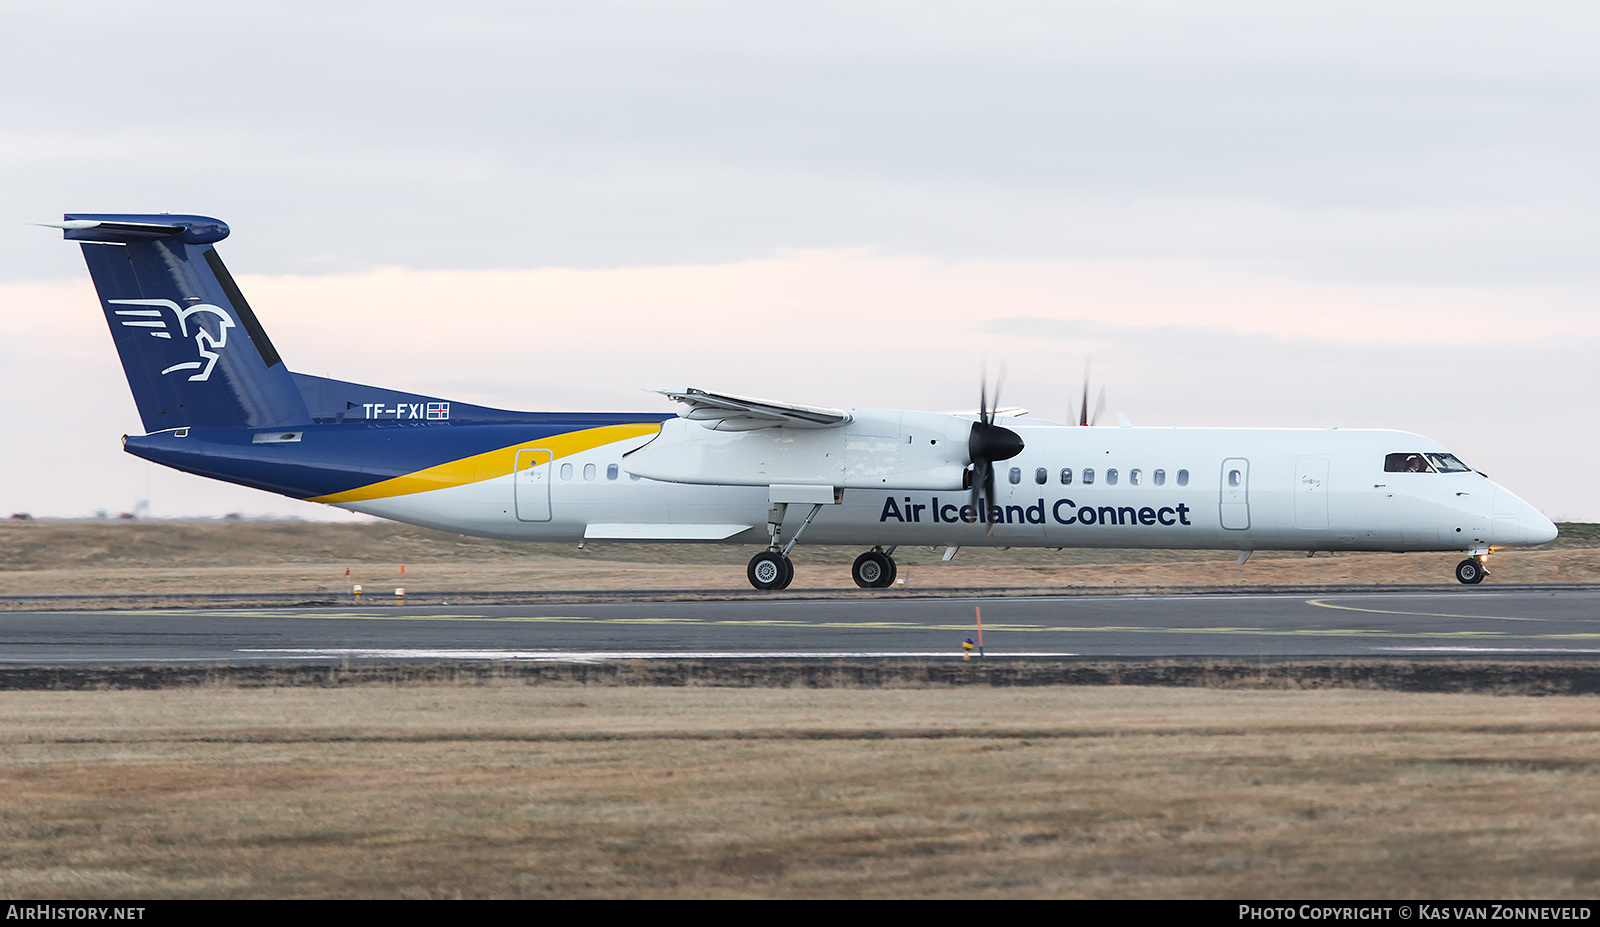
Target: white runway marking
[(1487, 649), (601, 656)]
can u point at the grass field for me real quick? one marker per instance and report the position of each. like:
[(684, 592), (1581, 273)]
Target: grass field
[(512, 790), (43, 557), (473, 785)]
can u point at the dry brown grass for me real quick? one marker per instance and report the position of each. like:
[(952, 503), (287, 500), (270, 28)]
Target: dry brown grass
[(40, 558), (503, 790)]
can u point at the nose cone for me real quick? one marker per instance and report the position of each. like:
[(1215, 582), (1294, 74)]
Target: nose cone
[(1539, 529), (1518, 524)]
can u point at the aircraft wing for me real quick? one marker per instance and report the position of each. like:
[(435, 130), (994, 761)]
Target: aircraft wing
[(740, 413), (1002, 412)]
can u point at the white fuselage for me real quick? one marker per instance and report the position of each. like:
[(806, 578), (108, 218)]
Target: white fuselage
[(1234, 489)]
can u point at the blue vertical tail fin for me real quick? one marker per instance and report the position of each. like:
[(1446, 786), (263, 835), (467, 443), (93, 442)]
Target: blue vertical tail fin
[(193, 350)]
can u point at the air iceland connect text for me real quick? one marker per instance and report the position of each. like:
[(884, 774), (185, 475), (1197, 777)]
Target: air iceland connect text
[(1064, 512)]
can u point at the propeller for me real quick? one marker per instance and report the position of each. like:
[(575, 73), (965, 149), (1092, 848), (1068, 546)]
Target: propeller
[(988, 443), (1084, 418)]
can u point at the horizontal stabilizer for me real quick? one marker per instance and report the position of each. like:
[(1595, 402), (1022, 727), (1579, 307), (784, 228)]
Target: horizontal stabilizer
[(144, 229), (123, 228)]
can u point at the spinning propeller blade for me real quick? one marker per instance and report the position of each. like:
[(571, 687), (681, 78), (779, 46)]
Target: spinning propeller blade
[(1084, 418), (988, 443)]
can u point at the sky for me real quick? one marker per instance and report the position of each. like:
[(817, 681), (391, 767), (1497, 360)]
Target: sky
[(1247, 214)]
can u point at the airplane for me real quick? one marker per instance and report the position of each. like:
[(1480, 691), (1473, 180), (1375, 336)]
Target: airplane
[(217, 400)]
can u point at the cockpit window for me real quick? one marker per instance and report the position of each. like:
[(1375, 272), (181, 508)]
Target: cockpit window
[(1448, 463), (1406, 463), (1424, 463)]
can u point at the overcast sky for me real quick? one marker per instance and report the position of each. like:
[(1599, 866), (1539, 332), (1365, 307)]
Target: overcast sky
[(1364, 215)]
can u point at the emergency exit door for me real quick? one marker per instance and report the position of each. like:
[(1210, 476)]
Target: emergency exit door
[(1311, 492), (1236, 494)]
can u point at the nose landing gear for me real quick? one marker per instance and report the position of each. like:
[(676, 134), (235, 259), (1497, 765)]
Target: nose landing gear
[(1471, 570)]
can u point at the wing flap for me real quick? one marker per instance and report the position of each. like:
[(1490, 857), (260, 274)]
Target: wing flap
[(741, 413)]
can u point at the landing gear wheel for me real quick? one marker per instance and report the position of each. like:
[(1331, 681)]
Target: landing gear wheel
[(770, 570), (873, 570), (1470, 571)]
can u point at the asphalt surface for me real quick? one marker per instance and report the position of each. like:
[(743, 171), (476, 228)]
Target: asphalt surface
[(1468, 622)]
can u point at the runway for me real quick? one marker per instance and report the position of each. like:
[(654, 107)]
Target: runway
[(1525, 622)]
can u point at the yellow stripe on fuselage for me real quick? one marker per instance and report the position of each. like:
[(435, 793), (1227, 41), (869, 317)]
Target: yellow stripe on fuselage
[(491, 464)]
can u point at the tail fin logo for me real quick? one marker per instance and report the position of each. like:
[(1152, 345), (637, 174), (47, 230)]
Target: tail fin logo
[(155, 321)]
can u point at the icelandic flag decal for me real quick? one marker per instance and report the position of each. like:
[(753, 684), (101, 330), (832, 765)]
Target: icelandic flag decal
[(438, 410)]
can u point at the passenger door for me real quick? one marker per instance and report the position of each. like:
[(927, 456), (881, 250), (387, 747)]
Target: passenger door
[(532, 482)]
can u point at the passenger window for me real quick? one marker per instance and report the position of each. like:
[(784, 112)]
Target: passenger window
[(1406, 463), (566, 471), (588, 471), (1041, 476), (1088, 475), (1111, 476), (1183, 477), (1066, 476), (633, 476), (1159, 477), (1133, 477), (611, 471), (1234, 478), (1016, 475)]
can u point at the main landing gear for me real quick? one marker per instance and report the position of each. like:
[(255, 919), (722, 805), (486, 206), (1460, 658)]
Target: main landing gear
[(1471, 571), (770, 569), (874, 569)]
